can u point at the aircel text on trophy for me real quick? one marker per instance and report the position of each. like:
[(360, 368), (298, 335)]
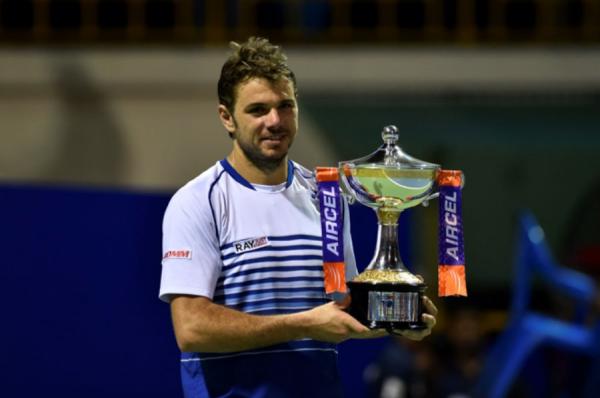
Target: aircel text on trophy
[(386, 294)]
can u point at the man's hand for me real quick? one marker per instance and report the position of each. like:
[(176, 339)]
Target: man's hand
[(429, 319), (329, 322)]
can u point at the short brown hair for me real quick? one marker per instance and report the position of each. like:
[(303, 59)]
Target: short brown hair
[(257, 57)]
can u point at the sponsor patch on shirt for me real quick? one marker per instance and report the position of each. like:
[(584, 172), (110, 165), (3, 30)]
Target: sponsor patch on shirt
[(247, 245), (183, 254)]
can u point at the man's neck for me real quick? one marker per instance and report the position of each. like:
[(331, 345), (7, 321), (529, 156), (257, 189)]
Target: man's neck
[(253, 174)]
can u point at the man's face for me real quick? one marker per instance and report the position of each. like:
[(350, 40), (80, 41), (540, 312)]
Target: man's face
[(264, 121)]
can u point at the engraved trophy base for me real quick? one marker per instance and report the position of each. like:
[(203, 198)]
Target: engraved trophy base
[(389, 306)]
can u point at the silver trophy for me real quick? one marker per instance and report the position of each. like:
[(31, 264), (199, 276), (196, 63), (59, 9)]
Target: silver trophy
[(386, 294)]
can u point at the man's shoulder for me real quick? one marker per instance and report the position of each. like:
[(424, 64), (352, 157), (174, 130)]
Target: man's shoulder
[(201, 185), (302, 172)]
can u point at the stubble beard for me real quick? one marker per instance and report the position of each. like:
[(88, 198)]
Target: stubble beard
[(267, 164)]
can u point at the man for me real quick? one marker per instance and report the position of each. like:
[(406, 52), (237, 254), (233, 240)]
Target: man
[(242, 264)]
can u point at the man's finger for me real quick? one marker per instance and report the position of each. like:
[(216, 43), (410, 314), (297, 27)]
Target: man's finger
[(415, 334), (429, 306), (371, 334), (429, 320), (356, 327)]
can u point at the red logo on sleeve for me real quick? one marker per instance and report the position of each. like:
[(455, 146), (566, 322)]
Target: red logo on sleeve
[(180, 254)]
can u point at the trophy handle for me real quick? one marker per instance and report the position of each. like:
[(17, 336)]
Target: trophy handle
[(434, 195), (345, 190)]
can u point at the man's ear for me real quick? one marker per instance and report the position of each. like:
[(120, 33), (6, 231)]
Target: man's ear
[(226, 118)]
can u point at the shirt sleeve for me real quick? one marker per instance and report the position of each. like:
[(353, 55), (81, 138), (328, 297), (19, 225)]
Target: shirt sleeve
[(191, 261)]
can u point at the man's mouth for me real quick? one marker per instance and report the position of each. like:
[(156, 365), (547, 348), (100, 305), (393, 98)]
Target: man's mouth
[(274, 138)]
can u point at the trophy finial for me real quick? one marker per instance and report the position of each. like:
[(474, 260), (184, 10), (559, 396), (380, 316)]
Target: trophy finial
[(390, 134)]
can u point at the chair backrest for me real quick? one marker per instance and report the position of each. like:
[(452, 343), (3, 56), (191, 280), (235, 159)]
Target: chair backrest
[(533, 257), (528, 330)]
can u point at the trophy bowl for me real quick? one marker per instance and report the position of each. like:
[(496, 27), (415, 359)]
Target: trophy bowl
[(386, 295)]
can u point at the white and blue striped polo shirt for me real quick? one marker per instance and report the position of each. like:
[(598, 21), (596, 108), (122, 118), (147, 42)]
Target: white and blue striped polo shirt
[(256, 249)]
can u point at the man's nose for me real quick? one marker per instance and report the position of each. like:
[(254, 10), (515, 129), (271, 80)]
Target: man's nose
[(272, 118)]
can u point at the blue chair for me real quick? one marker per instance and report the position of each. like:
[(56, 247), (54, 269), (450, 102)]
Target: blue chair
[(528, 330)]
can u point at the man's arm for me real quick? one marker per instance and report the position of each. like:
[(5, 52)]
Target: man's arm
[(203, 326)]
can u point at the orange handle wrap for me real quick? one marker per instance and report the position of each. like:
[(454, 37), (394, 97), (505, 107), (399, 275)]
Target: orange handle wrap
[(452, 281), (335, 277), (452, 178), (327, 174)]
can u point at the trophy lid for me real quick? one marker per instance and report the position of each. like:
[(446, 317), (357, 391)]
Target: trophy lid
[(390, 155), (389, 177)]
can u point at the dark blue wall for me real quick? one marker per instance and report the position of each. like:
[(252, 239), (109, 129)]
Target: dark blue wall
[(80, 273)]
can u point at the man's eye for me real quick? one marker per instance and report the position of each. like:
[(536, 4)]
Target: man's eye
[(286, 105), (259, 110)]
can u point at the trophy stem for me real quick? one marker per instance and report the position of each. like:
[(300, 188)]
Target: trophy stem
[(387, 251), (386, 295)]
